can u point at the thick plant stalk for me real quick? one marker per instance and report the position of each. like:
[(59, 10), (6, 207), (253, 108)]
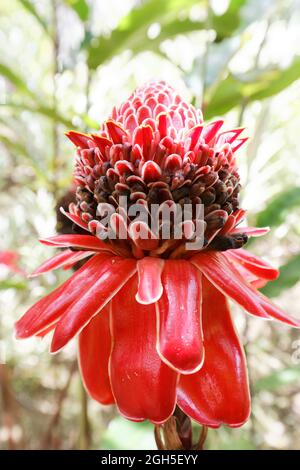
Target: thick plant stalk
[(177, 434)]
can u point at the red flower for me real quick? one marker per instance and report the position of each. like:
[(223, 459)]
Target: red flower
[(10, 259), (152, 317)]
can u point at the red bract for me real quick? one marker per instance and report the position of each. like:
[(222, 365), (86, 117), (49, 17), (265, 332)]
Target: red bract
[(152, 317)]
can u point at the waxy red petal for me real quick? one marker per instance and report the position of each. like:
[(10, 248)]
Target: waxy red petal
[(229, 136), (179, 338), (113, 273), (116, 132), (94, 344), (253, 263), (64, 258), (79, 139), (43, 333), (219, 392), (194, 134), (272, 310), (150, 287), (222, 273), (102, 143), (211, 130), (89, 242), (238, 143), (276, 313), (75, 219), (49, 309), (143, 136), (255, 281), (163, 121), (143, 386), (252, 231)]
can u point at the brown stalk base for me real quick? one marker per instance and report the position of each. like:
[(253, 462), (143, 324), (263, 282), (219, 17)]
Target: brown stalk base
[(177, 434)]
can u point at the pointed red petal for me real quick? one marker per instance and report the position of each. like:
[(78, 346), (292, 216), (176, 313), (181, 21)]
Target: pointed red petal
[(252, 231), (276, 313), (143, 386), (116, 132), (218, 393), (94, 350), (162, 125), (179, 341), (239, 215), (238, 143), (221, 273), (50, 308), (150, 287), (248, 276), (194, 134), (65, 258), (252, 263), (89, 242), (143, 136), (113, 273), (75, 218), (101, 142), (79, 139), (210, 131), (43, 333), (229, 136)]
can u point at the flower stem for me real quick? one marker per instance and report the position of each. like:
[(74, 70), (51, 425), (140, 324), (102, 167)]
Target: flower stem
[(177, 434), (55, 137)]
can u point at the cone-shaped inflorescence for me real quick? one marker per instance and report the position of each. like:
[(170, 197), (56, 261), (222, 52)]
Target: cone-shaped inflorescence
[(155, 149)]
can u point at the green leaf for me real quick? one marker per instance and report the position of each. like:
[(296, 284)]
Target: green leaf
[(279, 207), (41, 109), (233, 90), (227, 23), (80, 7), (278, 379), (131, 32), (279, 81), (289, 276), (12, 284), (29, 6)]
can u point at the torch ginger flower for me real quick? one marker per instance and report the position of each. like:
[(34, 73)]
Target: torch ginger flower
[(152, 318)]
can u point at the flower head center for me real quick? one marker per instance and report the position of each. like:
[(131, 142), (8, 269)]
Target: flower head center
[(156, 152)]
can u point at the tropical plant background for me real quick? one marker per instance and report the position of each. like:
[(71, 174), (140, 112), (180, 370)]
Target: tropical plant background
[(63, 64)]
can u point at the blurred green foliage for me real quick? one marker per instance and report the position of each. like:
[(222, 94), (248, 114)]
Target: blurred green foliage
[(64, 63), (257, 85)]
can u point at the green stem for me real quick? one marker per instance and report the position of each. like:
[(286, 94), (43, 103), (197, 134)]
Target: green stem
[(55, 164)]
